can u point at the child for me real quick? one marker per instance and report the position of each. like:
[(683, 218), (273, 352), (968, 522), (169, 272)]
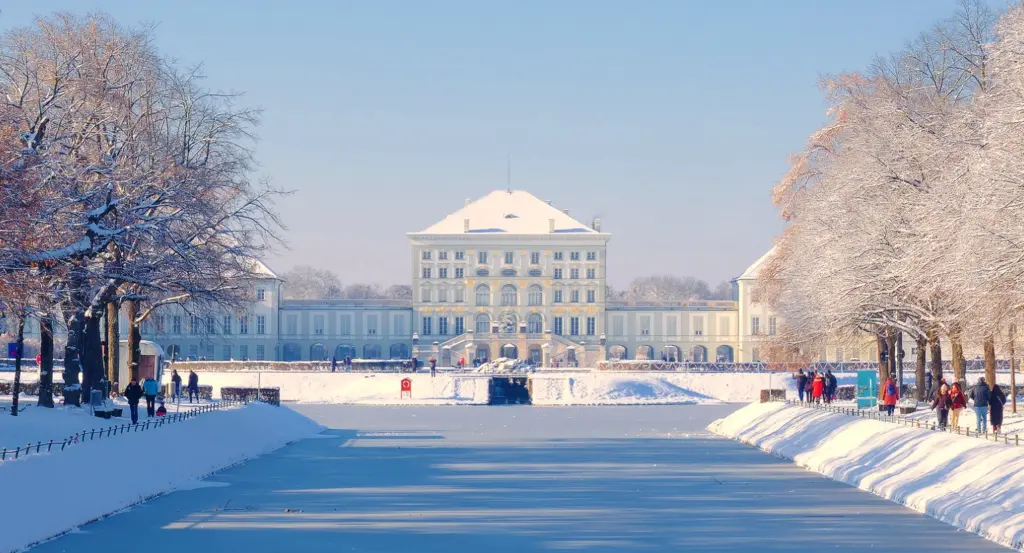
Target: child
[(161, 411)]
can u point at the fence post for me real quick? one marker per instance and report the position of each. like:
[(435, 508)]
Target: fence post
[(3, 455)]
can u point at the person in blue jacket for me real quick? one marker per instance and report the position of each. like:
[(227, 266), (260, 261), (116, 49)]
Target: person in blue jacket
[(151, 388), (801, 383)]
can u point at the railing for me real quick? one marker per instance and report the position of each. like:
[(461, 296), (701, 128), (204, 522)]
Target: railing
[(904, 421), (111, 431)]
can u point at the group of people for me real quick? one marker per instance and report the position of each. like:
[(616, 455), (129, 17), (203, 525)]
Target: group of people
[(150, 389), (950, 401), (816, 386)]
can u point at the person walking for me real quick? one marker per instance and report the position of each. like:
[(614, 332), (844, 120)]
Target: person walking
[(817, 387), (193, 386), (957, 403), (996, 401), (433, 367), (334, 363), (133, 393), (348, 363), (942, 404), (176, 385), (150, 387), (928, 384), (890, 396), (808, 387), (801, 383), (981, 396), (831, 385)]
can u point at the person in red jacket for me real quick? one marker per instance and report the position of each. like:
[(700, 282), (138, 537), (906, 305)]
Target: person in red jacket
[(891, 396), (817, 387), (958, 402)]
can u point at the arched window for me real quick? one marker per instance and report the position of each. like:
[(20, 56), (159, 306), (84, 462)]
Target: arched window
[(483, 323), (399, 351), (535, 295), (425, 294), (535, 324), (371, 351), (509, 295), (317, 352), (483, 295)]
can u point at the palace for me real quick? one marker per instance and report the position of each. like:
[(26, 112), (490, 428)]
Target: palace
[(507, 275)]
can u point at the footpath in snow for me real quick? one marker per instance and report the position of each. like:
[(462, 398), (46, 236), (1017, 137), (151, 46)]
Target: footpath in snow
[(52, 493), (969, 483)]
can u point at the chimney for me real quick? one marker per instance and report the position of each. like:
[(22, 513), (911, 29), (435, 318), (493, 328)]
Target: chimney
[(468, 201), (566, 211), (551, 225), (597, 225), (465, 225), (547, 202)]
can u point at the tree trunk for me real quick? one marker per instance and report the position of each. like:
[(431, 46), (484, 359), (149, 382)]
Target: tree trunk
[(113, 345), (919, 368), (92, 357), (1013, 370), (46, 353), (956, 347), (76, 332), (16, 390), (936, 354), (899, 360), (990, 360), (890, 343), (883, 361), (134, 340)]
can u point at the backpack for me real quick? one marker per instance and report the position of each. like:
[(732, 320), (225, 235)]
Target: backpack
[(891, 389)]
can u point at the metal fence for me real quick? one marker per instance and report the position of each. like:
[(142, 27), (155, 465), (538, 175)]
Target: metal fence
[(904, 421), (111, 431)]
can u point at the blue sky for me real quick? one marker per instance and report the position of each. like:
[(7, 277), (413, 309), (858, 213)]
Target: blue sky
[(670, 120)]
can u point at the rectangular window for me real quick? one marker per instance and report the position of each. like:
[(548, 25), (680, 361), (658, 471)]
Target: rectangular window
[(261, 352), (558, 256), (509, 258), (442, 295), (211, 325), (459, 256), (574, 274), (209, 352), (261, 324), (671, 326), (591, 296), (243, 324), (591, 273), (442, 272), (144, 327), (698, 326), (426, 272), (398, 324), (293, 325), (755, 355), (427, 330), (481, 258), (575, 294), (194, 325), (176, 325), (534, 258), (460, 294), (261, 294), (243, 352), (159, 323), (591, 326), (193, 351), (442, 255), (839, 355), (425, 294), (371, 324), (558, 326), (318, 324), (591, 256), (558, 274), (442, 326), (460, 272), (558, 296), (645, 326), (618, 326), (723, 327), (755, 325), (460, 325), (346, 325), (228, 319), (426, 255), (227, 353), (574, 256), (771, 326), (574, 326)]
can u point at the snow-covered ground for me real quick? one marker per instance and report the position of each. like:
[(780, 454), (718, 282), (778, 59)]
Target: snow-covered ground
[(972, 484), (108, 475)]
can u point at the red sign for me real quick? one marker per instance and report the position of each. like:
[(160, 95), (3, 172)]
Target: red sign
[(406, 388)]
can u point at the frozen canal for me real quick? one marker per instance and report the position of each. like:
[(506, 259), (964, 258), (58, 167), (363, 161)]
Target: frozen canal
[(470, 479)]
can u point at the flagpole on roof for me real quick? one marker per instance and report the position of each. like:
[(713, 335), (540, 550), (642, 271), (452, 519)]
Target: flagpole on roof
[(508, 173)]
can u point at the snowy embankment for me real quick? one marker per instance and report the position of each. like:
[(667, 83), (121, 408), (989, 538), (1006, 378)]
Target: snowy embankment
[(972, 484), (357, 388), (52, 493)]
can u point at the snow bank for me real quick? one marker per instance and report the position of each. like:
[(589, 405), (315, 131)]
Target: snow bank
[(972, 484), (357, 388), (214, 441), (611, 389)]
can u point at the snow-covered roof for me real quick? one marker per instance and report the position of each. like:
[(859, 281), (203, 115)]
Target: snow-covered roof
[(508, 212), (261, 269), (753, 270)]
